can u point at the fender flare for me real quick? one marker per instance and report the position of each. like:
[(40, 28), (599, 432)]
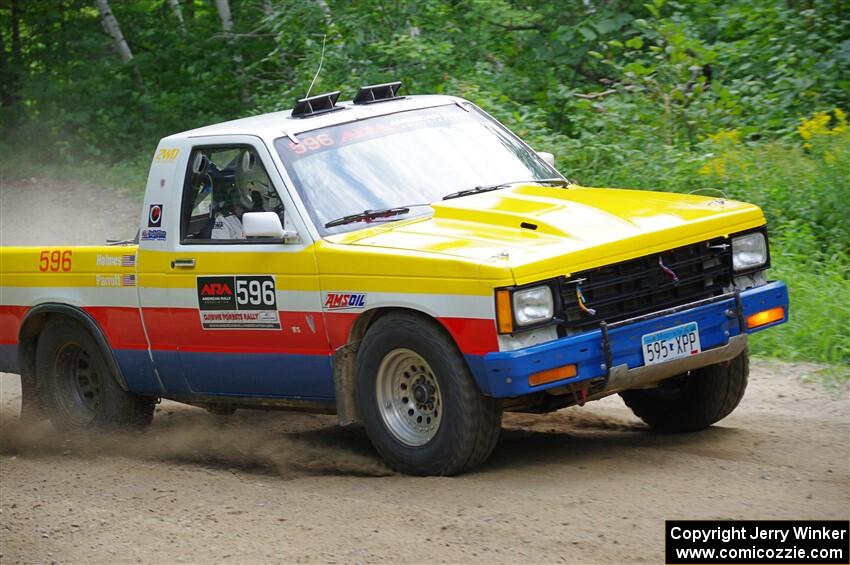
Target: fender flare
[(77, 314)]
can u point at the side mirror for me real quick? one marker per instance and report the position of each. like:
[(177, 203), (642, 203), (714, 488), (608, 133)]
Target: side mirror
[(548, 157), (264, 224)]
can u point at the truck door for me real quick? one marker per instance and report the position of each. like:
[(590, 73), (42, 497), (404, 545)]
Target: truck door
[(245, 312), (159, 221)]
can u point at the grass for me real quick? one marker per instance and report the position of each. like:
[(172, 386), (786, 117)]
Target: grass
[(819, 325)]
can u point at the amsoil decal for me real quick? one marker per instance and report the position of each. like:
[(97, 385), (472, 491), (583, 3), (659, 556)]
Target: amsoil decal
[(238, 303), (341, 300), (155, 216)]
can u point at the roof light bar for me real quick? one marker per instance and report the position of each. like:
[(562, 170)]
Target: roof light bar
[(378, 93), (315, 105)]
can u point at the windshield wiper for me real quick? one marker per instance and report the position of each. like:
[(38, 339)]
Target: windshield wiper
[(369, 215), (489, 187)]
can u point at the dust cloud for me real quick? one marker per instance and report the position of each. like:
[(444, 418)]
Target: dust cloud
[(249, 442)]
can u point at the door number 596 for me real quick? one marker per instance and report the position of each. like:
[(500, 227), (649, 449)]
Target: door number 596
[(255, 292), (55, 261)]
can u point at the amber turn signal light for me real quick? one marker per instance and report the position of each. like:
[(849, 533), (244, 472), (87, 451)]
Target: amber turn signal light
[(504, 314), (765, 317), (555, 374)]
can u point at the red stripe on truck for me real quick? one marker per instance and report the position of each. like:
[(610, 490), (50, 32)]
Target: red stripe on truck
[(305, 333), (10, 323)]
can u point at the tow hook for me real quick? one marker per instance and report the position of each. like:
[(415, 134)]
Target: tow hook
[(580, 396)]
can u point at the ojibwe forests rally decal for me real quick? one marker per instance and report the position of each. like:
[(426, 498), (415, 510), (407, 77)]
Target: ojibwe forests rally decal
[(238, 303)]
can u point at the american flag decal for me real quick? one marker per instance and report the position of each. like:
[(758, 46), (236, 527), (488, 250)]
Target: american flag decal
[(128, 260), (128, 280)]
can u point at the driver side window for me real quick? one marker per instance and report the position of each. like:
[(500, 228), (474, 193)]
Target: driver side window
[(222, 184)]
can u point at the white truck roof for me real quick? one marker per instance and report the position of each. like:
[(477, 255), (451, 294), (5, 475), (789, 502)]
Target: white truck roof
[(278, 124)]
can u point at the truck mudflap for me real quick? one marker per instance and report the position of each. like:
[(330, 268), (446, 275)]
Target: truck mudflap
[(613, 354)]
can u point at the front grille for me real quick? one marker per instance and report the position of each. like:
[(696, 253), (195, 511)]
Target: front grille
[(641, 286)]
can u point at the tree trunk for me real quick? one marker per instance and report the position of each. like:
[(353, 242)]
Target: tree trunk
[(6, 98), (326, 12), (16, 33), (178, 13), (226, 17), (11, 66), (110, 25)]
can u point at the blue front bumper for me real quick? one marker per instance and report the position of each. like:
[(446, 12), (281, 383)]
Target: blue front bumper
[(505, 373)]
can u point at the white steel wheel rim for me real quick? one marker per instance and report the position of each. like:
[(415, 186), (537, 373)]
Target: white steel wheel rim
[(408, 397)]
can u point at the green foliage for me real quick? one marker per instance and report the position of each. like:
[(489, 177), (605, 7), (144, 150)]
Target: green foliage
[(744, 97)]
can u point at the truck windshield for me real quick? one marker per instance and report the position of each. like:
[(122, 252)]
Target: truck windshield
[(416, 156)]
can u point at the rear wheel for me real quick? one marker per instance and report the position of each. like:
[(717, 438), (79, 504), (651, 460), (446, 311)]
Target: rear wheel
[(692, 401), (419, 404), (78, 389)]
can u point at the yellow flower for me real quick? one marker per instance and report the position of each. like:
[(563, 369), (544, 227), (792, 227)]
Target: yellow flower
[(725, 137), (841, 118), (715, 167), (818, 126)]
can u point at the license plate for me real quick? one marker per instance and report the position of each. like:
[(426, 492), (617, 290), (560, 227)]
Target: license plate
[(672, 343)]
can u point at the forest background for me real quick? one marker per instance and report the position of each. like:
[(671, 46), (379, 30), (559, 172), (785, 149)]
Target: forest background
[(749, 98)]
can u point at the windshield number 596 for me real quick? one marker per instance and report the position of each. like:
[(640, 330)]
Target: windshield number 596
[(311, 143)]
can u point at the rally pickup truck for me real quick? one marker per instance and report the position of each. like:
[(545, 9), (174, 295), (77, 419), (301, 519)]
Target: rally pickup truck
[(404, 262)]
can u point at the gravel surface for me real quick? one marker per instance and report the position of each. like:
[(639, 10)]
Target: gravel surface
[(583, 485)]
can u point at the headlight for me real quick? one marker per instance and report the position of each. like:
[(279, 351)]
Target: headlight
[(749, 251), (533, 305)]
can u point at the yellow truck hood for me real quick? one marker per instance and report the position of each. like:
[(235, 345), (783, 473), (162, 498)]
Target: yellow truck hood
[(540, 232)]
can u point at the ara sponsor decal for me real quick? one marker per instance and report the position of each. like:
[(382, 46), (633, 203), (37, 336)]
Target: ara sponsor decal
[(343, 300), (155, 216), (153, 235), (230, 302)]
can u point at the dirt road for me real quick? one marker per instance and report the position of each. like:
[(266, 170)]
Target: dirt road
[(584, 485)]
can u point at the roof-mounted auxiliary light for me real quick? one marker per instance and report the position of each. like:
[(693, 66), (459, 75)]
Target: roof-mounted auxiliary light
[(378, 93), (315, 105)]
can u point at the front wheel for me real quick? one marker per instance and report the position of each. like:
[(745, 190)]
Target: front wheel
[(692, 401), (419, 404), (78, 389)]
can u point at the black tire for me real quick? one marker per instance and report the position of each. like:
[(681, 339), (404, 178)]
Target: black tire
[(470, 423), (78, 389), (693, 401)]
